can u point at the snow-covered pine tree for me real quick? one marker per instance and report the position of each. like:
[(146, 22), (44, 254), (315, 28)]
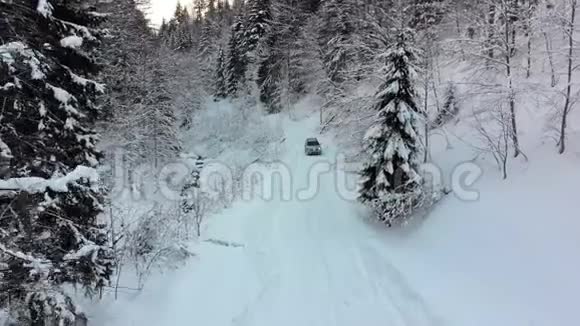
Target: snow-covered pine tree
[(238, 6), (236, 64), (258, 18), (286, 55), (177, 33), (220, 90), (162, 32), (211, 9), (450, 107), (208, 38), (335, 32), (199, 9), (293, 47), (269, 74), (184, 36), (426, 13), (221, 10), (50, 232), (138, 72), (310, 6), (209, 43), (390, 181)]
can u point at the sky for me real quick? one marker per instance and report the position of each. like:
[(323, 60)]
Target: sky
[(162, 9)]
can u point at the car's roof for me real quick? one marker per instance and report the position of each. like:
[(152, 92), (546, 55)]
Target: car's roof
[(311, 139)]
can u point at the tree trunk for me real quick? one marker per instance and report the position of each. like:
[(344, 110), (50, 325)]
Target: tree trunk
[(457, 23), (528, 34), (570, 69), (512, 101), (512, 19), (490, 29), (529, 56), (514, 123), (550, 59), (426, 116)]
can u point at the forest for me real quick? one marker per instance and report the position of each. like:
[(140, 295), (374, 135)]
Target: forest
[(97, 105)]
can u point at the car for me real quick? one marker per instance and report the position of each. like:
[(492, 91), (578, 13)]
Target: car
[(312, 147)]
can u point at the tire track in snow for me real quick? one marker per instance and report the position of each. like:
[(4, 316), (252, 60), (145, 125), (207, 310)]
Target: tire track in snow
[(330, 284), (355, 290), (261, 231), (376, 276), (410, 304)]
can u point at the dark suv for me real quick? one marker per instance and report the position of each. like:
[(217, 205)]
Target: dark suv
[(312, 147)]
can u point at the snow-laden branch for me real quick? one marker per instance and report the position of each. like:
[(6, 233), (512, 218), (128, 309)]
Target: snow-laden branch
[(38, 266), (89, 249), (60, 184)]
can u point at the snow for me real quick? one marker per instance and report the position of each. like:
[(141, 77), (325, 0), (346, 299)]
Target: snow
[(510, 258), (297, 263), (7, 86), (100, 88), (60, 94), (42, 109), (375, 132), (37, 266), (31, 58), (70, 124), (86, 250), (99, 14), (4, 317), (71, 42), (65, 99), (82, 30), (4, 150), (44, 8)]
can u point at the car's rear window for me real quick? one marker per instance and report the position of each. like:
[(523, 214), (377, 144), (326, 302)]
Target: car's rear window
[(312, 142)]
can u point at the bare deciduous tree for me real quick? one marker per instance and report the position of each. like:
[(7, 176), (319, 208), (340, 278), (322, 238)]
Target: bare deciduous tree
[(495, 132), (569, 30)]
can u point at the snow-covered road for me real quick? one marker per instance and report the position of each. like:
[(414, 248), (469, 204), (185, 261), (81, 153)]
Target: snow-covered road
[(299, 262)]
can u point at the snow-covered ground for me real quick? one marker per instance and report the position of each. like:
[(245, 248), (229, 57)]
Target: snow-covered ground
[(511, 258)]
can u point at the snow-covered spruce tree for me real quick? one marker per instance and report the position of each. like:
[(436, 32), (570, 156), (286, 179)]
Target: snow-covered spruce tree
[(310, 6), (177, 34), (426, 13), (162, 32), (137, 71), (220, 90), (50, 233), (236, 64), (288, 56), (258, 18), (335, 33), (269, 75), (390, 181), (214, 26), (208, 39), (450, 107)]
